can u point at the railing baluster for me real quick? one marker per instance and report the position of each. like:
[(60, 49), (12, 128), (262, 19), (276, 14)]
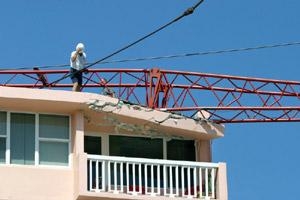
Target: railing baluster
[(165, 179), (177, 180), (127, 177), (152, 180), (121, 177), (115, 178), (158, 179), (213, 183), (200, 181), (171, 181), (133, 178), (146, 178), (182, 181), (195, 182), (108, 176), (91, 175), (189, 181), (103, 176), (206, 182), (140, 178), (97, 175)]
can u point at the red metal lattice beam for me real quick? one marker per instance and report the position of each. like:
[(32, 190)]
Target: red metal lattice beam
[(227, 99)]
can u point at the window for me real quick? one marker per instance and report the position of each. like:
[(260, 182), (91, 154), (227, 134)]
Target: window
[(53, 139), (32, 139), (92, 145), (22, 138), (181, 150), (2, 136), (139, 147)]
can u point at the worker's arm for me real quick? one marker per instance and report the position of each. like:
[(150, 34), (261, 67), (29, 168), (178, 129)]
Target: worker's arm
[(74, 56)]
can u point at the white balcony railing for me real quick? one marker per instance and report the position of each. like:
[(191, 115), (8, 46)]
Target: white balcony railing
[(139, 176)]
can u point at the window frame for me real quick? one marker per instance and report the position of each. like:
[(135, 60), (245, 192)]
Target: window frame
[(5, 138), (181, 141), (56, 140), (9, 133), (93, 135), (105, 142), (141, 136), (37, 140)]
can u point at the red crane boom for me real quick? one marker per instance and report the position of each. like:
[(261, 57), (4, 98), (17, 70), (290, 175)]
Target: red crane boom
[(219, 98)]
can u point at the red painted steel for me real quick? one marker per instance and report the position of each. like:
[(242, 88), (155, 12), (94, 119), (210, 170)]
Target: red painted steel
[(225, 98)]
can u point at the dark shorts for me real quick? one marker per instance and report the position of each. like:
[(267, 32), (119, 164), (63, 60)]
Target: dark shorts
[(76, 76)]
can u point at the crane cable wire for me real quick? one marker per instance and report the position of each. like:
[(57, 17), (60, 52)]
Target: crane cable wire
[(202, 53), (187, 12), (209, 52)]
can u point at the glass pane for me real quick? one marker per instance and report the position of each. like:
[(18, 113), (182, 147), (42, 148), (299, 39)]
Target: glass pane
[(2, 149), (181, 150), (22, 138), (135, 147), (54, 153), (2, 123), (92, 145), (54, 126)]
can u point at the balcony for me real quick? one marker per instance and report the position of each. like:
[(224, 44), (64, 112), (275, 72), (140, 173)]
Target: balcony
[(140, 178)]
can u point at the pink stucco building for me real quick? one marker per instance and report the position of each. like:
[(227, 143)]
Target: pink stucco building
[(62, 145)]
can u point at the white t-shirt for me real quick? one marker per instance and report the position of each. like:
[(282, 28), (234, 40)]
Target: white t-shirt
[(79, 62)]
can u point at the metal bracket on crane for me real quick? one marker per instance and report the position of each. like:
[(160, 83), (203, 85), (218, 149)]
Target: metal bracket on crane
[(157, 86), (41, 76)]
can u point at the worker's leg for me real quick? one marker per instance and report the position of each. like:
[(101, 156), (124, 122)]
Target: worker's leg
[(76, 77), (79, 78), (75, 87), (78, 89)]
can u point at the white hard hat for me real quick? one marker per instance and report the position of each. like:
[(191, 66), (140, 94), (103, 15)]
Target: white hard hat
[(80, 47)]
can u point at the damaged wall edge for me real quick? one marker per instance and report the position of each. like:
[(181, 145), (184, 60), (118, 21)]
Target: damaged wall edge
[(134, 118)]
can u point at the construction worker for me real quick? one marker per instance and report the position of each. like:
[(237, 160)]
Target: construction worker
[(77, 63)]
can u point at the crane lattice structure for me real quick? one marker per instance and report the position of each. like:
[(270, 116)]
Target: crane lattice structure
[(214, 97)]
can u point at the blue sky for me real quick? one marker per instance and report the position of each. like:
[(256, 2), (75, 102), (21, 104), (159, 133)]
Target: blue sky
[(262, 159)]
